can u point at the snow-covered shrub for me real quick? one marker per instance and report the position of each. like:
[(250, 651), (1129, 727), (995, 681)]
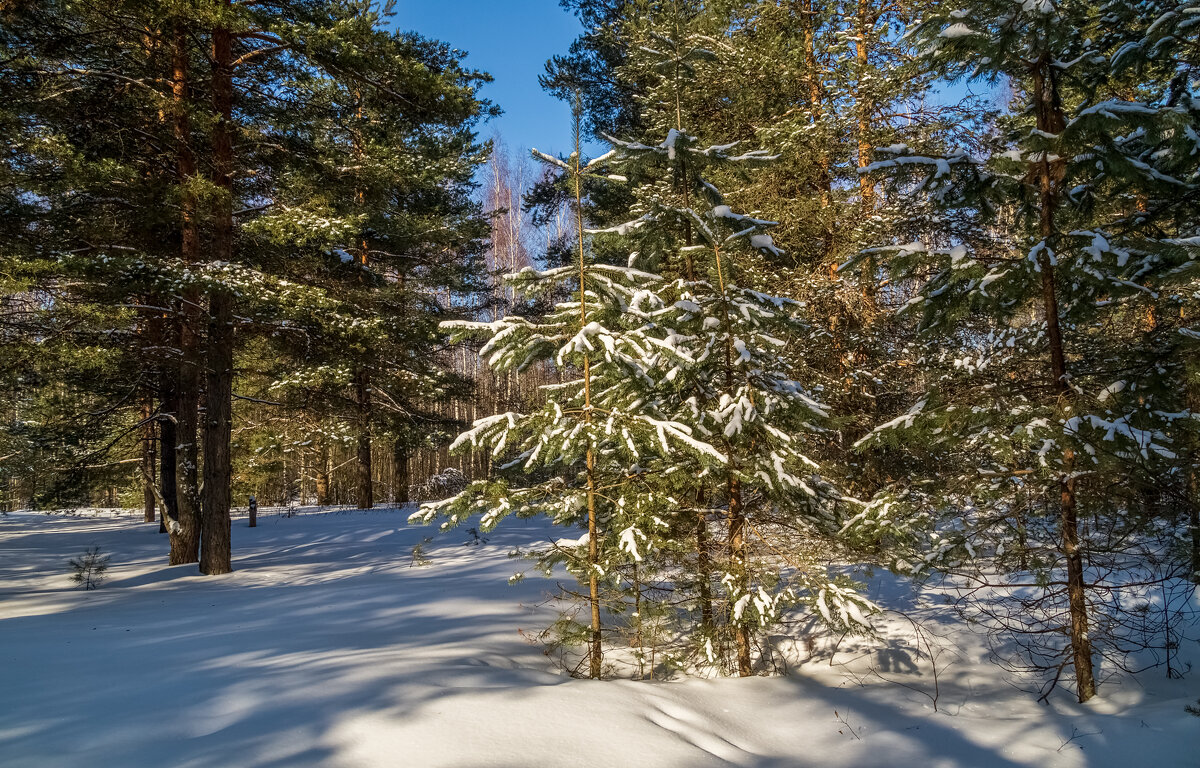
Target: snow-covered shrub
[(446, 483)]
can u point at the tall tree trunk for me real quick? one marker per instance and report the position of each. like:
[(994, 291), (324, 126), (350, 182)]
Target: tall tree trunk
[(362, 376), (737, 553), (400, 470), (167, 440), (733, 489), (215, 555), (1194, 520), (184, 526), (322, 474), (704, 564), (595, 644), (1051, 120), (824, 180), (185, 540), (864, 105), (1193, 486), (864, 109), (362, 402), (148, 473)]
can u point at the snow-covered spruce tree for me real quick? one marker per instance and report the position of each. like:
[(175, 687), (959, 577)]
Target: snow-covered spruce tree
[(1157, 46), (1051, 405), (740, 388), (743, 391), (581, 457)]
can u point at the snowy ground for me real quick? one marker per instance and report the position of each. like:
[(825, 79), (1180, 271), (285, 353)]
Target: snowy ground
[(325, 648)]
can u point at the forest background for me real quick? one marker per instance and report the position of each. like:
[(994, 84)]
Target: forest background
[(238, 235)]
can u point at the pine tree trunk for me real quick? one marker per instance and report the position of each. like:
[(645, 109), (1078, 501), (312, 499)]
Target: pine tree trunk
[(1193, 487), (400, 470), (185, 541), (864, 109), (1194, 520), (864, 106), (362, 401), (704, 565), (322, 474), (216, 555), (184, 528), (215, 551), (166, 448), (596, 649), (733, 489), (638, 639), (148, 473), (824, 180), (737, 552), (1051, 120)]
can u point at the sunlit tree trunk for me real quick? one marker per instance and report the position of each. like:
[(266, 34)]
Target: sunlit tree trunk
[(1051, 120)]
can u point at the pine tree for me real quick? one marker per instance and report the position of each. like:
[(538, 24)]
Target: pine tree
[(88, 143), (1052, 371), (228, 158), (687, 228), (376, 197)]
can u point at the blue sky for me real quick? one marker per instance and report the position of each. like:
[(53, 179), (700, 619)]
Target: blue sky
[(511, 39)]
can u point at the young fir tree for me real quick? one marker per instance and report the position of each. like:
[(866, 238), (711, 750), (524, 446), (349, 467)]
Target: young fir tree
[(581, 458), (740, 391), (753, 367), (1055, 363)]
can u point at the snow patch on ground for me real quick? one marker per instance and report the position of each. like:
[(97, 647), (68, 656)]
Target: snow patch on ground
[(328, 647)]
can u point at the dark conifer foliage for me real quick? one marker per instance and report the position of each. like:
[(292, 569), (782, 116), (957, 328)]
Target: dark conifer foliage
[(194, 189)]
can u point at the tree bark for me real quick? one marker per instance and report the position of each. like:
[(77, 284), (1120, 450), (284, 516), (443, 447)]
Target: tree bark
[(733, 489), (824, 180), (1051, 120), (1194, 520), (400, 470), (215, 549), (865, 109), (322, 474), (362, 402), (737, 552), (168, 413), (148, 468), (595, 645), (362, 376), (1193, 489), (185, 540), (184, 526), (864, 106), (704, 565)]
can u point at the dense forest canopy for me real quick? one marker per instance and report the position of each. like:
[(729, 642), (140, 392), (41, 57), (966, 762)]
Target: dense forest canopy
[(805, 310)]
